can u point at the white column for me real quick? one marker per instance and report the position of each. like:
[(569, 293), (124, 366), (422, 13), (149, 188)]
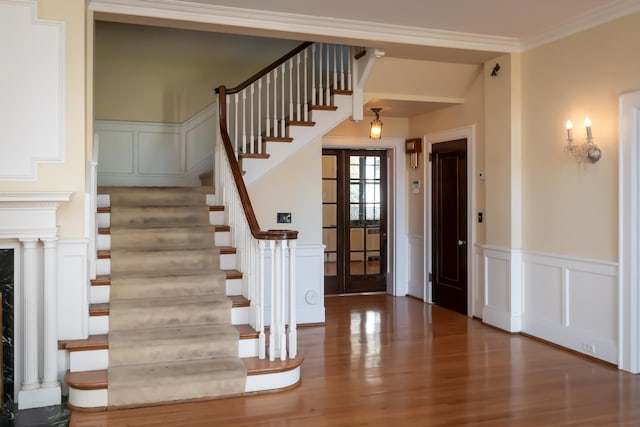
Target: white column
[(50, 375), (30, 315)]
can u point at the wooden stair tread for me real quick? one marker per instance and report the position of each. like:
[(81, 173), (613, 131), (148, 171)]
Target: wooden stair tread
[(239, 301), (87, 380), (233, 274), (94, 342), (299, 123), (341, 92), (216, 208), (104, 209), (222, 228), (101, 280), (276, 139), (323, 107), (253, 156), (104, 254), (101, 341), (104, 231), (99, 309)]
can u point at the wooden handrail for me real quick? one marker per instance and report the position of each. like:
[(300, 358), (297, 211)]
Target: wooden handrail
[(268, 69), (237, 177)]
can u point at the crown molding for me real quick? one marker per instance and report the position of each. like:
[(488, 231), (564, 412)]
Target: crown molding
[(305, 24), (581, 22)]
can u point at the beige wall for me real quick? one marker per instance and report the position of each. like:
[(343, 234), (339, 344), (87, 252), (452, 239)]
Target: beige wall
[(569, 209), (469, 113), (296, 187), (145, 73), (69, 175)]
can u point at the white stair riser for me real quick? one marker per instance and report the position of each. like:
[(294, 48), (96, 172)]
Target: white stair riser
[(272, 381), (239, 315), (103, 267), (99, 294), (223, 238), (104, 201), (89, 360), (88, 398), (234, 286), (217, 218), (98, 325), (228, 262), (103, 220), (94, 360), (211, 200), (104, 242)]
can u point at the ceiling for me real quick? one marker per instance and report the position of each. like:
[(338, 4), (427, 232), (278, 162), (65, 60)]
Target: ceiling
[(459, 31)]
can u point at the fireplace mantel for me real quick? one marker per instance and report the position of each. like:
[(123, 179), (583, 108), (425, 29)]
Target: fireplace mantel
[(31, 218)]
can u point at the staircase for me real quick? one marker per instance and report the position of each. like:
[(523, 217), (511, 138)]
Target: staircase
[(167, 321), (183, 291)]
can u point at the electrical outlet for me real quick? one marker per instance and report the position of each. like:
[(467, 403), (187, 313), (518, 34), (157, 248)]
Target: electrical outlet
[(589, 348)]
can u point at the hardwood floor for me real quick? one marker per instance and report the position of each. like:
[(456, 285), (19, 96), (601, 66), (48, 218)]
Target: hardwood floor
[(382, 361)]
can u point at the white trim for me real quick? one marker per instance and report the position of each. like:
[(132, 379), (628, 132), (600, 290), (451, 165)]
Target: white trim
[(279, 22), (272, 381), (397, 224), (469, 133), (629, 233), (305, 24), (581, 22)]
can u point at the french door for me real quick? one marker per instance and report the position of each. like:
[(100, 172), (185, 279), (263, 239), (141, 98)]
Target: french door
[(354, 223)]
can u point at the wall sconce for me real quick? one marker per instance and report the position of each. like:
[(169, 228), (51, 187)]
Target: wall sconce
[(413, 147), (376, 125), (587, 151)]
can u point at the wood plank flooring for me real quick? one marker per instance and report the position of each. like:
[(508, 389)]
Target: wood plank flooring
[(384, 361)]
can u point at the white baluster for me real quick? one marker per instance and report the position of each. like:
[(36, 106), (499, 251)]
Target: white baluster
[(282, 98), (313, 74), (235, 139), (342, 47), (252, 135), (259, 135), (245, 149), (262, 344), (350, 58), (267, 121), (327, 88), (293, 333), (292, 113), (305, 101), (275, 102), (336, 85), (30, 315), (320, 75), (298, 94)]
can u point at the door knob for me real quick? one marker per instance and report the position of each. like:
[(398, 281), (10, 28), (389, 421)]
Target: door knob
[(461, 242)]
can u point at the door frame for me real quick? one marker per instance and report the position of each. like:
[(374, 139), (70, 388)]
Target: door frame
[(469, 133), (397, 222)]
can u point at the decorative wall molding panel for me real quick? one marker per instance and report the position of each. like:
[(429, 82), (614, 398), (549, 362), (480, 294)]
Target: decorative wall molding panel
[(156, 154), (32, 89), (73, 283), (569, 301)]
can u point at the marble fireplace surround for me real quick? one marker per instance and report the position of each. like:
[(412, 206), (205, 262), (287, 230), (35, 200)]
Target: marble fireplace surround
[(28, 225)]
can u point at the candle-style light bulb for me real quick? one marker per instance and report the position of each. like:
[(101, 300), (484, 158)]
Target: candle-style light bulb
[(587, 124), (569, 131)]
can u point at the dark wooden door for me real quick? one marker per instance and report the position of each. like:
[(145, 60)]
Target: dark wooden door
[(354, 220), (449, 225)]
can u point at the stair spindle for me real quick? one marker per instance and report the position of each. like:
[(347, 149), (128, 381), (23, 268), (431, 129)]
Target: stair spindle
[(282, 98), (313, 75), (259, 134), (305, 101), (335, 67), (298, 88), (327, 89), (252, 135), (267, 121), (291, 112), (275, 102)]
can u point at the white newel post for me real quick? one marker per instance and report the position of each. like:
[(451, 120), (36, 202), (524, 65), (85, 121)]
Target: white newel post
[(30, 315), (31, 218), (50, 375), (293, 334)]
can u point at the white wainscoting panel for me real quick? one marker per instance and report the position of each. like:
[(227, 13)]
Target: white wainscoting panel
[(155, 154), (416, 267), (33, 90), (73, 285), (565, 300)]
